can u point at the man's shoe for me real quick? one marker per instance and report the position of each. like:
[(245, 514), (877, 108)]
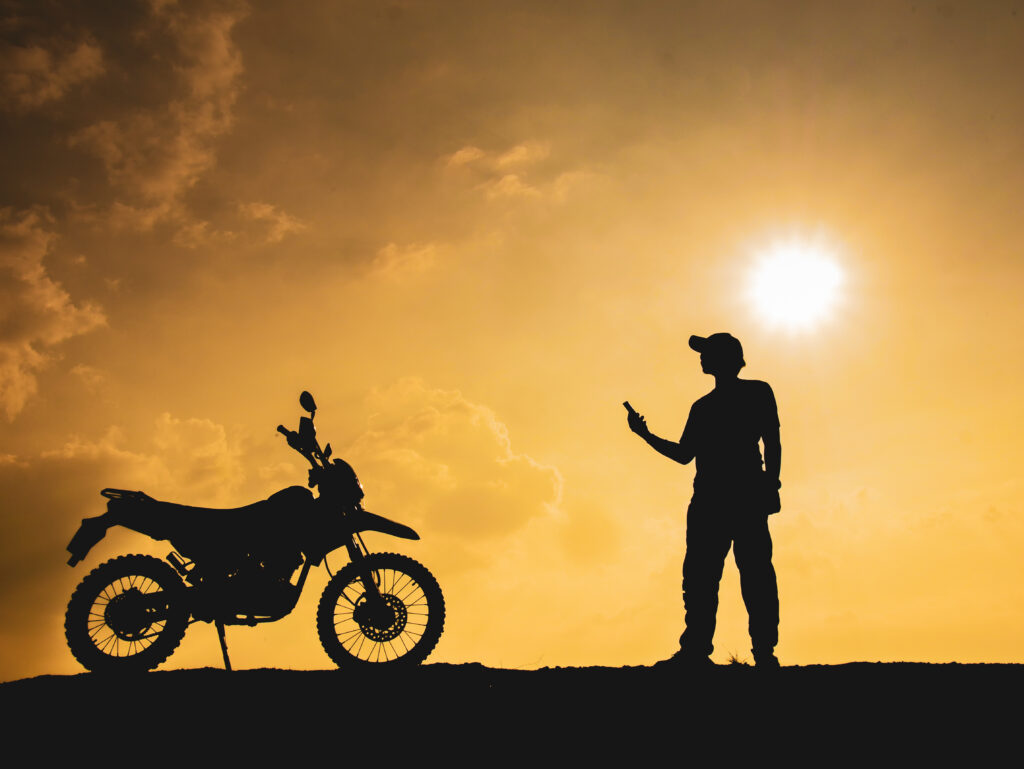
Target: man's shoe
[(686, 660), (766, 661)]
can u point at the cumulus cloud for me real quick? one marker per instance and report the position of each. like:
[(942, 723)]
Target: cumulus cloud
[(34, 75), (449, 465), (36, 313), (499, 528), (200, 456), (154, 155), (187, 459)]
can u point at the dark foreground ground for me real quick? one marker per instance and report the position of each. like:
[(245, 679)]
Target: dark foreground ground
[(885, 713)]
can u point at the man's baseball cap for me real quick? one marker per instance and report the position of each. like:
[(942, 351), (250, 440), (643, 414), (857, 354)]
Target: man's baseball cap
[(719, 345)]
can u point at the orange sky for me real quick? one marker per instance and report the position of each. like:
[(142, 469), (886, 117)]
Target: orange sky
[(472, 229)]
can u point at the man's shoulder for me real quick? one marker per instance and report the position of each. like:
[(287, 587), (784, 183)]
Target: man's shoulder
[(756, 385), (760, 394), (703, 400)]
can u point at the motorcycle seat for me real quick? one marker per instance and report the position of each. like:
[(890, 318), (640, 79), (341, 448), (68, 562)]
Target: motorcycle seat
[(290, 497), (244, 512), (211, 529)]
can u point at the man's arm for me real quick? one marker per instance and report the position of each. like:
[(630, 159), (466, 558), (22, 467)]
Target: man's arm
[(681, 452), (770, 436), (772, 453)]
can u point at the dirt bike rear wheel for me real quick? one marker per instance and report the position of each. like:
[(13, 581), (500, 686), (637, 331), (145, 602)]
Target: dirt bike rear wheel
[(128, 614), (353, 637)]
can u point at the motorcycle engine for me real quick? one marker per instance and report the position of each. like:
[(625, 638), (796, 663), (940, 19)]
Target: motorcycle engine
[(261, 585)]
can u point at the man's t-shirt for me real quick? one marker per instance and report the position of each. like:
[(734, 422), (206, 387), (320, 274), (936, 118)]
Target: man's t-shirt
[(723, 430)]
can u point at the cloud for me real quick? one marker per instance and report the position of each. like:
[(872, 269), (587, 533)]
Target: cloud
[(279, 223), (465, 156), (154, 155), (36, 313), (448, 465), (93, 379), (509, 186), (523, 155), (393, 261), (517, 156), (518, 172), (190, 459), (198, 234), (34, 75)]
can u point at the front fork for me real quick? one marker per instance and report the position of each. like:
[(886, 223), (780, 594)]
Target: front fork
[(374, 599)]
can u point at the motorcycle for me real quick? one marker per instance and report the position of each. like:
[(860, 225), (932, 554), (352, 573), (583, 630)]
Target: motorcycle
[(236, 567)]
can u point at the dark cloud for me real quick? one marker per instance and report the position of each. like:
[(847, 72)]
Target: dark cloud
[(163, 80), (37, 74), (153, 156), (36, 313)]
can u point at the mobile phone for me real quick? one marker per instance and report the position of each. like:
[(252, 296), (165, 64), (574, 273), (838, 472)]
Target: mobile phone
[(629, 408)]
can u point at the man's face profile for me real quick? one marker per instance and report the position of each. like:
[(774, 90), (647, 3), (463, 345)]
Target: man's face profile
[(716, 363), (711, 363)]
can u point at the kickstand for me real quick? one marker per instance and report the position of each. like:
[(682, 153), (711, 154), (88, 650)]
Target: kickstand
[(223, 644)]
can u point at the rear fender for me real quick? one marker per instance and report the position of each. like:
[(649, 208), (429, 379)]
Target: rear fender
[(88, 535), (122, 510)]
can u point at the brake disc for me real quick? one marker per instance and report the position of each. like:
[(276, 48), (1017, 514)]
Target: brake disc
[(381, 628)]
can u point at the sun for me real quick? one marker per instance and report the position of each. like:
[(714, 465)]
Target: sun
[(795, 284)]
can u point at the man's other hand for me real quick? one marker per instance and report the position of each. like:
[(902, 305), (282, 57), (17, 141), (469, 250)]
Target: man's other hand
[(770, 494)]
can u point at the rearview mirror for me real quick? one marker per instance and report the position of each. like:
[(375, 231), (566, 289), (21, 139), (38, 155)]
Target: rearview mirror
[(307, 402)]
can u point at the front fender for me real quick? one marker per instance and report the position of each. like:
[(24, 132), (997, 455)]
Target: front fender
[(327, 530), (362, 520)]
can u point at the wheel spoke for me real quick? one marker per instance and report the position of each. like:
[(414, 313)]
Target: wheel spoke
[(127, 615), (349, 629), (409, 581)]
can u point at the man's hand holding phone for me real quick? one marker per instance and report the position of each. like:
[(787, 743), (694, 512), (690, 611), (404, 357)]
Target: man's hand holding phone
[(636, 422)]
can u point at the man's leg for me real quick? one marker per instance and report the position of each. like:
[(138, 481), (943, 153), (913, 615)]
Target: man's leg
[(753, 552), (707, 545)]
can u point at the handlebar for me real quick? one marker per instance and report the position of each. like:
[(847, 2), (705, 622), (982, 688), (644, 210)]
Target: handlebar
[(311, 453)]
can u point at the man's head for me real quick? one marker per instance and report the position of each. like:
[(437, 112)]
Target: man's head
[(720, 354)]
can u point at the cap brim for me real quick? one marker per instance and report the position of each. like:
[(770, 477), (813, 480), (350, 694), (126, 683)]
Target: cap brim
[(698, 343)]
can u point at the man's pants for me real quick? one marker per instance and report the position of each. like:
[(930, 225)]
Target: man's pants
[(711, 529)]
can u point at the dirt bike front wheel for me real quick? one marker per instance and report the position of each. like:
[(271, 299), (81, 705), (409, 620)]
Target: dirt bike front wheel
[(127, 615), (355, 631)]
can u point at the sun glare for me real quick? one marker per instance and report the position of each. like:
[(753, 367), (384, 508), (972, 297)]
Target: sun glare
[(795, 284)]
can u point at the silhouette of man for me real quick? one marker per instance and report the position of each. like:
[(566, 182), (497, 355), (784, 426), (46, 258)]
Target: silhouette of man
[(732, 499)]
